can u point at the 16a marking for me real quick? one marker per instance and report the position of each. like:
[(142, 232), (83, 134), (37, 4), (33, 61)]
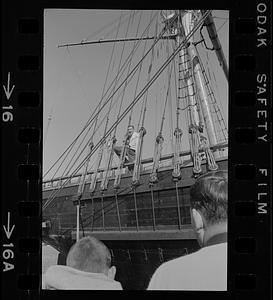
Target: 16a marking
[(8, 251)]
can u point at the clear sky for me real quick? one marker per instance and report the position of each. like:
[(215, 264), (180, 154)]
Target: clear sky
[(74, 77)]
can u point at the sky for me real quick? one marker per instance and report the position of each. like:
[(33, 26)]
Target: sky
[(74, 77)]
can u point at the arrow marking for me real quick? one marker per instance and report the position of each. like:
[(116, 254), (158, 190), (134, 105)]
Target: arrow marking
[(7, 90), (8, 231)]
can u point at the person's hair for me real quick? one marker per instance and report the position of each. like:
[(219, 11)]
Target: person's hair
[(209, 194), (89, 255), (131, 126)]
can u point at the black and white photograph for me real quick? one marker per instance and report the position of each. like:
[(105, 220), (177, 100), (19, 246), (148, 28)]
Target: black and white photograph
[(135, 149)]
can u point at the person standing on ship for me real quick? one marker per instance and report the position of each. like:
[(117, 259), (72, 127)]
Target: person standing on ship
[(130, 146), (205, 269)]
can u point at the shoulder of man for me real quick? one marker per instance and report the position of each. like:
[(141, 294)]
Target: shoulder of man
[(135, 134), (171, 270), (165, 272), (182, 271), (64, 277)]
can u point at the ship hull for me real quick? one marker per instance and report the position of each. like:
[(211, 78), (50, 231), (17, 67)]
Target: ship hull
[(142, 227)]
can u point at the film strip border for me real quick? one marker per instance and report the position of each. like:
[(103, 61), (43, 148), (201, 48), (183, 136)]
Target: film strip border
[(249, 163), (250, 174)]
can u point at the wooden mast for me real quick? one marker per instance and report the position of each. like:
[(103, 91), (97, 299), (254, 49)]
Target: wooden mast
[(188, 23), (216, 42)]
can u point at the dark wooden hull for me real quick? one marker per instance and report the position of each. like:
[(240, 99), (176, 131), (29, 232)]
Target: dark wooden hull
[(142, 228)]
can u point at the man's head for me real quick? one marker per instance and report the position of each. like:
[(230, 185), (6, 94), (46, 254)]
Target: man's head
[(91, 255), (209, 204), (131, 130)]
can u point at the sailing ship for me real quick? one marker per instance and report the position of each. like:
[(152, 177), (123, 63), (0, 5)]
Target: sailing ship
[(140, 210)]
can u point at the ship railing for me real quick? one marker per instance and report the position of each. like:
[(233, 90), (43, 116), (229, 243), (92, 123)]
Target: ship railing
[(165, 161)]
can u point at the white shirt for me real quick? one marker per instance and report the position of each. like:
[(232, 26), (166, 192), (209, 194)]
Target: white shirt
[(49, 257), (134, 140), (205, 269), (60, 277)]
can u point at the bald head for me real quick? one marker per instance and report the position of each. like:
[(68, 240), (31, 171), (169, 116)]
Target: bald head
[(89, 255)]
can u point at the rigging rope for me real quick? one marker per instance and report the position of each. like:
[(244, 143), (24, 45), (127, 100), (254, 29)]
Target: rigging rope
[(142, 131), (176, 174), (148, 79), (169, 74), (203, 113), (153, 208), (111, 143), (159, 139), (126, 83), (116, 79), (81, 185), (142, 106), (107, 208), (48, 123), (178, 206), (91, 139), (106, 100), (202, 140), (94, 177), (83, 234), (95, 112), (100, 154), (149, 75), (217, 111), (171, 119), (184, 96), (117, 207), (136, 213), (125, 112), (82, 182), (192, 116), (145, 43), (194, 142), (137, 98), (125, 16), (92, 213), (204, 146), (102, 213), (123, 151)]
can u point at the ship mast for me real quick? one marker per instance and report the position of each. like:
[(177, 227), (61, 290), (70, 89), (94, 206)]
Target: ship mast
[(197, 101), (200, 87), (215, 42), (188, 23), (181, 25)]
